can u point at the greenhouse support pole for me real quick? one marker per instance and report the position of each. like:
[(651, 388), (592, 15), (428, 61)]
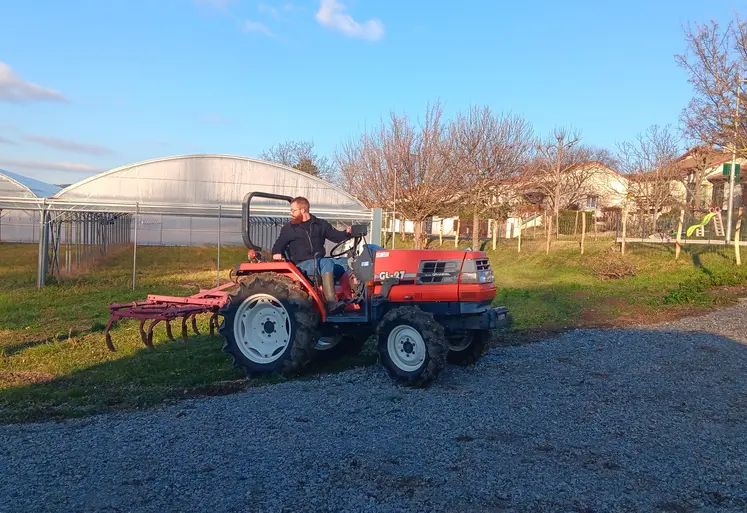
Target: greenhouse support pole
[(218, 277), (376, 226), (134, 245), (41, 264)]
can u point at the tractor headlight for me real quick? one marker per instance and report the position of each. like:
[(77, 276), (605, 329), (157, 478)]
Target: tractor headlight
[(476, 272)]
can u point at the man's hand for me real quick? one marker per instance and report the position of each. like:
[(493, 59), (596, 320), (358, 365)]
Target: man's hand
[(349, 230), (277, 256)]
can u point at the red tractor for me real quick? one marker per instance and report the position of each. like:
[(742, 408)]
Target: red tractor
[(426, 308)]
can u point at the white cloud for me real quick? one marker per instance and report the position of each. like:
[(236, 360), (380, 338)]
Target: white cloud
[(14, 89), (253, 26), (67, 145), (268, 9), (51, 166), (332, 15)]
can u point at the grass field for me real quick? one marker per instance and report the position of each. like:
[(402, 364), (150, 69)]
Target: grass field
[(54, 362)]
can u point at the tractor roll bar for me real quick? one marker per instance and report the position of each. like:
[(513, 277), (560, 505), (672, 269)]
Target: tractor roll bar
[(246, 219)]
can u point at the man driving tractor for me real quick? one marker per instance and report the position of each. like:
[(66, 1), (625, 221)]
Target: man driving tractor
[(304, 238)]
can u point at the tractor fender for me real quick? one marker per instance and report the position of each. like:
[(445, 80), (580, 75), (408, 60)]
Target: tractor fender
[(288, 269)]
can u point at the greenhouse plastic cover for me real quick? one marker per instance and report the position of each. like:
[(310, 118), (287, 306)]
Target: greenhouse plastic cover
[(19, 186), (208, 180)]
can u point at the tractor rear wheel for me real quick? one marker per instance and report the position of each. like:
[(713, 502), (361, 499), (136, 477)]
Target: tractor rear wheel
[(270, 326), (412, 346), (467, 348)]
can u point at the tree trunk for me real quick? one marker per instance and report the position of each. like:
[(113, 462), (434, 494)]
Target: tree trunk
[(456, 234), (575, 224), (418, 226), (441, 233), (549, 218), (476, 230)]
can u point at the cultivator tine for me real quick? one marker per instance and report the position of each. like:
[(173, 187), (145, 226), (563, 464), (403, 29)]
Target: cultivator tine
[(184, 329), (168, 330), (108, 336), (213, 324), (150, 332), (194, 324), (143, 335)]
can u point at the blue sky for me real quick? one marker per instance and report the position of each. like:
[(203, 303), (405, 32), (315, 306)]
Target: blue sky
[(88, 85)]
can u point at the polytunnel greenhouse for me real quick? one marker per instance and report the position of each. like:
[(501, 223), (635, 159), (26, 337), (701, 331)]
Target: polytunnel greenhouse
[(184, 200), (19, 219)]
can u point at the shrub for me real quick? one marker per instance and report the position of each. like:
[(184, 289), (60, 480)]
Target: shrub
[(611, 265)]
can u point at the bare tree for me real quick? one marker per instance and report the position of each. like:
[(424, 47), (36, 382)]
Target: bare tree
[(693, 168), (486, 150), (650, 164), (402, 166), (714, 59), (299, 155), (559, 175)]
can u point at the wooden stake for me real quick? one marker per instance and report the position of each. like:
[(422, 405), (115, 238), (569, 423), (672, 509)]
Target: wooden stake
[(520, 223), (737, 247), (678, 246), (625, 228), (583, 231), (495, 233)]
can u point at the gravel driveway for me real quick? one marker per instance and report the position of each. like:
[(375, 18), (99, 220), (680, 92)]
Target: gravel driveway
[(649, 419)]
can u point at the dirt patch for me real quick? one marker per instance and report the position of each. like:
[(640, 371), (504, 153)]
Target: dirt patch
[(20, 378)]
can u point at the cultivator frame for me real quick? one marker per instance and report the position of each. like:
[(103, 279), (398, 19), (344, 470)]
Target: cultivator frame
[(157, 308)]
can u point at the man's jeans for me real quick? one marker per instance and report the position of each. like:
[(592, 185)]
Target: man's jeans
[(326, 265)]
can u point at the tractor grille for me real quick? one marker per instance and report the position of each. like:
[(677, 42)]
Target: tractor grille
[(438, 271)]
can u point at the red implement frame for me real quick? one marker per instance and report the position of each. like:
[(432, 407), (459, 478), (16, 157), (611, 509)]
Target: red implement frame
[(168, 308)]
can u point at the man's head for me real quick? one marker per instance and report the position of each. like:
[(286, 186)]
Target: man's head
[(299, 210)]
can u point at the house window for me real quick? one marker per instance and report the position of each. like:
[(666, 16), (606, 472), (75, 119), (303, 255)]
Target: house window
[(592, 202), (718, 194)]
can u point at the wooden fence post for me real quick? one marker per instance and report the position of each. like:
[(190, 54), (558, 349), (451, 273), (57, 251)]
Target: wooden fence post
[(737, 246), (678, 246), (625, 228), (583, 230)]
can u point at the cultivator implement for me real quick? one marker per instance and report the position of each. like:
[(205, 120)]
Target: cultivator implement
[(157, 308)]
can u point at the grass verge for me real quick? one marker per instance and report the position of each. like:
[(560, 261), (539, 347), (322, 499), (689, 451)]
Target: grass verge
[(54, 363)]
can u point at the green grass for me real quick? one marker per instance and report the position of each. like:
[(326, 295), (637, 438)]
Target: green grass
[(54, 362)]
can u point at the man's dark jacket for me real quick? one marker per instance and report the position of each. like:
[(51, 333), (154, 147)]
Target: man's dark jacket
[(306, 240)]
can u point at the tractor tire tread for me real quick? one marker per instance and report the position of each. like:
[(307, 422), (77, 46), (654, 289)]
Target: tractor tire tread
[(433, 334), (300, 307), (473, 352)]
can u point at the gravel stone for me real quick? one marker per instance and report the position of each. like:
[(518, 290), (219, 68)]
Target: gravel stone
[(651, 418)]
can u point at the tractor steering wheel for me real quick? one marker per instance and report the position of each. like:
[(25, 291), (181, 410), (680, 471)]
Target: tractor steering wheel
[(348, 252)]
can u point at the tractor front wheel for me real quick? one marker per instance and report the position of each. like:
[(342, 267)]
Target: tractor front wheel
[(270, 326), (467, 348), (412, 346)]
